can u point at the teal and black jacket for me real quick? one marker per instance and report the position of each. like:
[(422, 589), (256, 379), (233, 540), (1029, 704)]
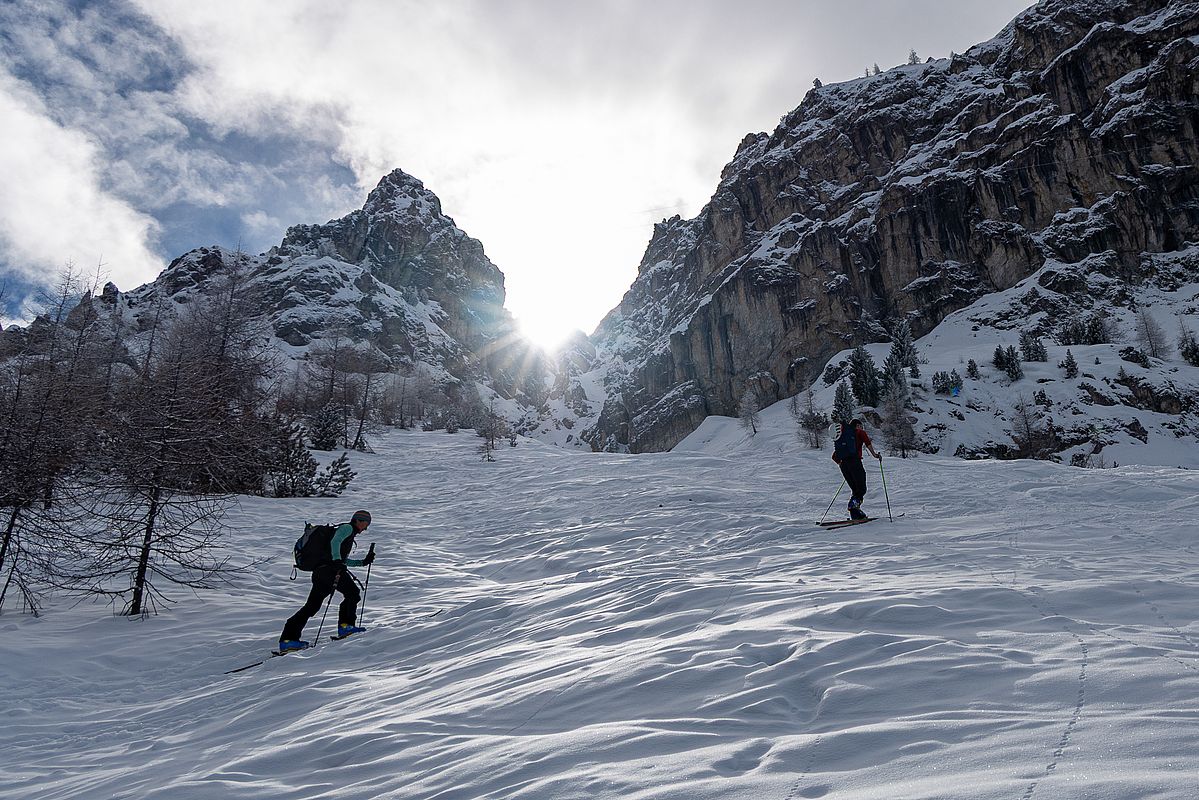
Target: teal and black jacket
[(342, 543)]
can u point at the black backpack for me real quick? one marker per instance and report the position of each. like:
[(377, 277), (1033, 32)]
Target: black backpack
[(312, 549), (846, 443)]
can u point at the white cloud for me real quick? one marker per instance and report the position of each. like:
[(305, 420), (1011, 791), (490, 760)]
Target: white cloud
[(546, 128), (256, 221), (52, 207), (26, 309)]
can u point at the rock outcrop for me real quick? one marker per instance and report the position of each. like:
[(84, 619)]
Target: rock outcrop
[(911, 193)]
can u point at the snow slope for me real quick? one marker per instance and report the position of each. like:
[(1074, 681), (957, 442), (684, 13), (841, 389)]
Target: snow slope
[(1096, 413), (657, 626)]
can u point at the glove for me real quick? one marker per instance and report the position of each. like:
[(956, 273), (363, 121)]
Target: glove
[(370, 558)]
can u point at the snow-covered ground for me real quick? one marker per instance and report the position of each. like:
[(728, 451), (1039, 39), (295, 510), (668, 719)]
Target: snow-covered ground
[(656, 626)]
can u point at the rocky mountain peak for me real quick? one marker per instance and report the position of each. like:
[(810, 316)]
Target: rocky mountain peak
[(401, 193), (397, 275)]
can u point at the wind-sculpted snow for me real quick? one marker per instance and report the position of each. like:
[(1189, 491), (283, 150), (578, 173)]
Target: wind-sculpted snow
[(567, 625)]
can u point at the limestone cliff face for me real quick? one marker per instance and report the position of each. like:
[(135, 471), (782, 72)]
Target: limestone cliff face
[(911, 193)]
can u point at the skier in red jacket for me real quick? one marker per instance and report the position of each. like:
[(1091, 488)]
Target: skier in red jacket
[(847, 452)]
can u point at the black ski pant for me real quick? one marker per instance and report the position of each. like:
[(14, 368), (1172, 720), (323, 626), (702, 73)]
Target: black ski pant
[(325, 580), (855, 476)]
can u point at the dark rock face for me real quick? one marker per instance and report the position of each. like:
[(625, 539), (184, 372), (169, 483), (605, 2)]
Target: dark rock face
[(1162, 399), (911, 194)]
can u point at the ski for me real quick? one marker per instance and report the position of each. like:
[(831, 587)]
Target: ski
[(841, 523), (274, 654), (844, 523)]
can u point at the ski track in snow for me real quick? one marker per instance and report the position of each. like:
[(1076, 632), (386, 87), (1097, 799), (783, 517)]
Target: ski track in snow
[(568, 625)]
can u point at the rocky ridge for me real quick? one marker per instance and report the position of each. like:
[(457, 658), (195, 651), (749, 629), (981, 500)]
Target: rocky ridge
[(397, 275), (912, 193)]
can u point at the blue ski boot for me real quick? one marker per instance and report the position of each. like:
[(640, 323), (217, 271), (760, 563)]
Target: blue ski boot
[(291, 645), (344, 630)]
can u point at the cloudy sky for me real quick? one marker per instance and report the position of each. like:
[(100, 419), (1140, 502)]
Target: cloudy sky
[(555, 132)]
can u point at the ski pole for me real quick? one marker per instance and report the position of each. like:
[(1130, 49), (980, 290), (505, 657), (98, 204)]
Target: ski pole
[(362, 613), (830, 505), (884, 474)]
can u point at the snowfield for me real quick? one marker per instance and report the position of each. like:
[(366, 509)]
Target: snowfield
[(572, 625)]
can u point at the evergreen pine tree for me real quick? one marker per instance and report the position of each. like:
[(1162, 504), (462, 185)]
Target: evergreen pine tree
[(999, 359), (334, 479), (902, 345), (1070, 365), (1099, 330), (293, 473), (1072, 331), (895, 379), (843, 407), (895, 385), (325, 427), (863, 377), (1032, 348), (1012, 363), (972, 369)]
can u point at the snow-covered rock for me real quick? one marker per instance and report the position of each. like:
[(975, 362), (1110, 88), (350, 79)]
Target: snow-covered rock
[(397, 274), (912, 193), (1121, 408)]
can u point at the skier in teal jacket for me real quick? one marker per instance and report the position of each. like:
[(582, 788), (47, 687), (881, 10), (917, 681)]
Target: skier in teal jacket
[(330, 577)]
